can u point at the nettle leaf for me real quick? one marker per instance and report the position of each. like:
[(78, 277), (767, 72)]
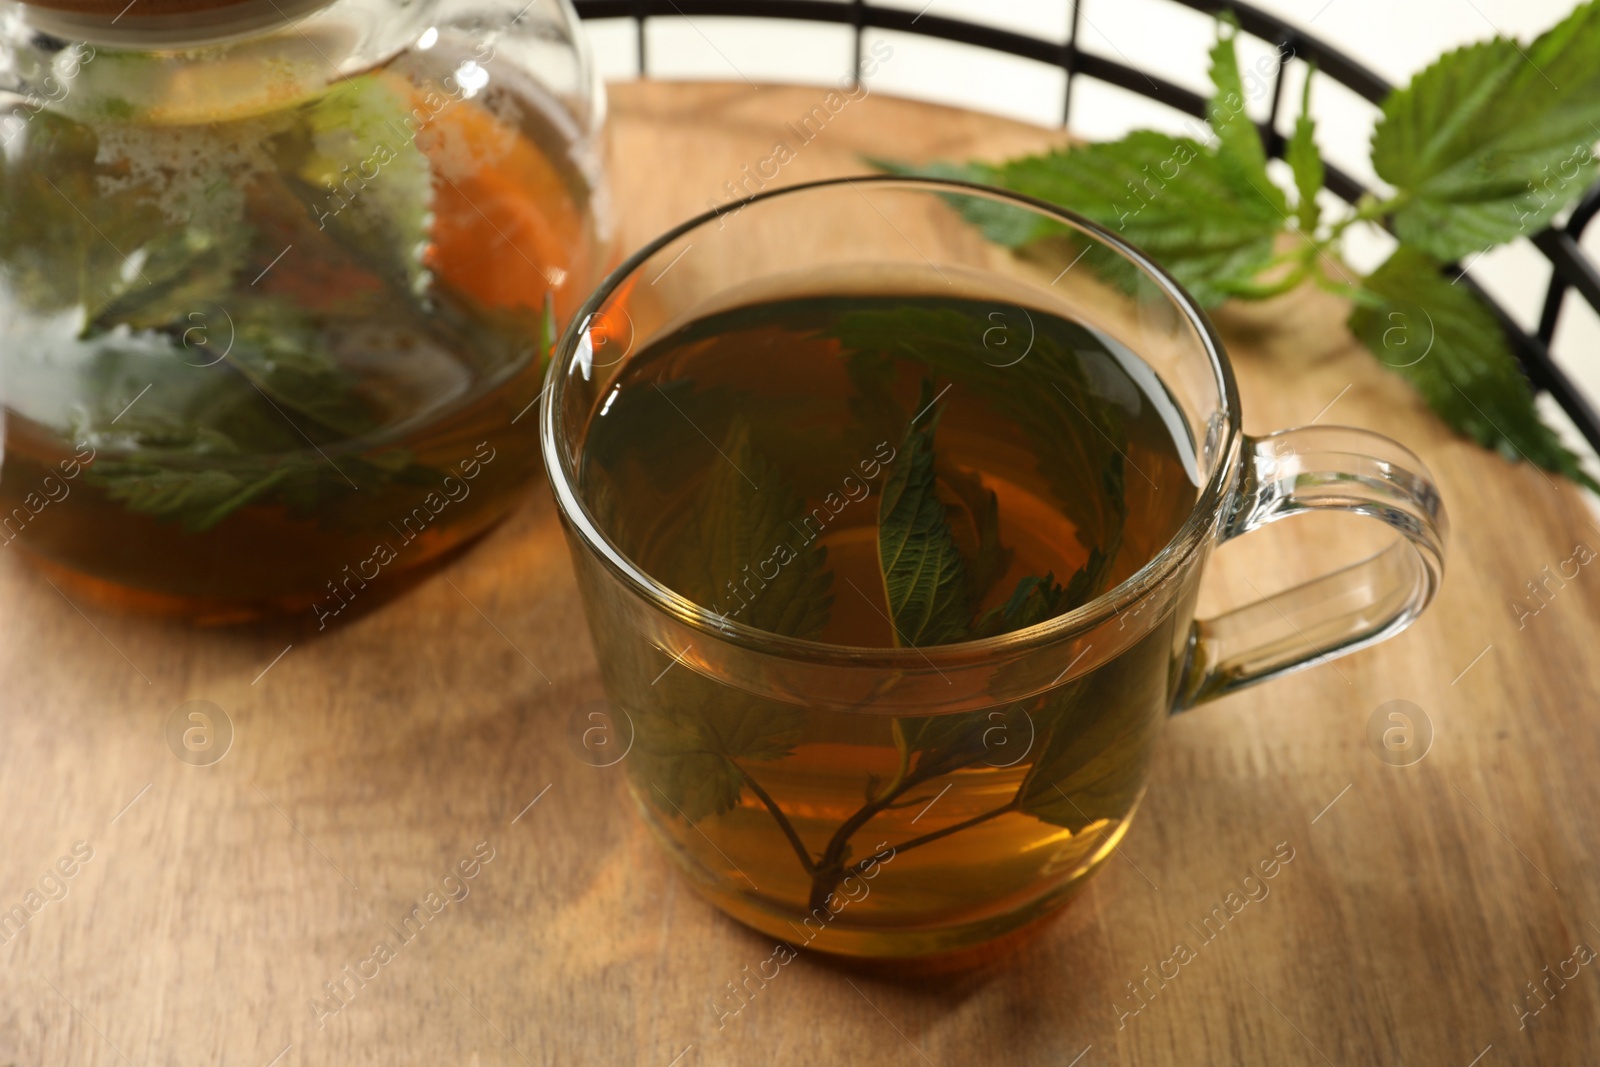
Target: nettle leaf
[(1091, 759), (191, 435), (1001, 223), (1207, 216), (1086, 584), (1034, 600), (945, 743), (1240, 154), (1167, 195), (1440, 338), (282, 355), (683, 774), (257, 381), (77, 232), (975, 523), (1078, 443), (924, 576), (1305, 162), (351, 160), (1492, 140), (199, 498), (179, 271), (1037, 599), (691, 730), (950, 742), (743, 539)]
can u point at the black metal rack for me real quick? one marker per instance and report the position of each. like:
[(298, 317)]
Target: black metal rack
[(1570, 268)]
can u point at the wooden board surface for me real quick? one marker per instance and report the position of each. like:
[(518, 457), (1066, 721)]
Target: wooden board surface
[(371, 760)]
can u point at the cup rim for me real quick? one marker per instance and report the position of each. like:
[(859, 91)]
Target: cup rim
[(1150, 575)]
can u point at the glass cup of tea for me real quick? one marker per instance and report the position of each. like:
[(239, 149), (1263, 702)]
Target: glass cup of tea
[(889, 541)]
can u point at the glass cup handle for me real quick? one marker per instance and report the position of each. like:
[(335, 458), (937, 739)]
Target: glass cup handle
[(1315, 469)]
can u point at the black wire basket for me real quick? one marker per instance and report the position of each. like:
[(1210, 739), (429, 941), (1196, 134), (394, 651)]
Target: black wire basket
[(1570, 268)]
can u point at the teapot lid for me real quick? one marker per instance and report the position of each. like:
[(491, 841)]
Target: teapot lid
[(156, 22), (117, 10)]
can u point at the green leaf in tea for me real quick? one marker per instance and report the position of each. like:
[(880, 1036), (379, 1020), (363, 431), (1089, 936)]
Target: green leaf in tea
[(691, 733), (353, 164), (1090, 760), (1492, 140), (1034, 600), (1079, 443), (199, 498), (1440, 338), (135, 266), (689, 774), (257, 390), (208, 437), (946, 743), (742, 520), (1088, 582), (1038, 599), (975, 523), (924, 576), (942, 743), (694, 730), (280, 354)]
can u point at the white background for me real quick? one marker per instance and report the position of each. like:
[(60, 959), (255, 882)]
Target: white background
[(1393, 37)]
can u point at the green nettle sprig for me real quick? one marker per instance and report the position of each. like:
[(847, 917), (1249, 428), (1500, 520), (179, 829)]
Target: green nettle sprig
[(1489, 143)]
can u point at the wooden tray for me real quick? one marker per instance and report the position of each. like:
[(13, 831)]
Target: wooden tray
[(372, 760)]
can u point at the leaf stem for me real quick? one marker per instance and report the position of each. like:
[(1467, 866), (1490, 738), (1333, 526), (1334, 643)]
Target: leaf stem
[(929, 838), (1292, 255), (904, 768), (841, 837), (783, 822), (830, 869), (1353, 293), (1265, 290), (1368, 209)]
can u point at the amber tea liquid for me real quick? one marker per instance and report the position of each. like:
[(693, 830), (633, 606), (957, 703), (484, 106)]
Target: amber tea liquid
[(745, 460)]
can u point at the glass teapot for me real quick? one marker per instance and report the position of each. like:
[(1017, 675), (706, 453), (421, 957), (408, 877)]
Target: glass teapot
[(278, 280)]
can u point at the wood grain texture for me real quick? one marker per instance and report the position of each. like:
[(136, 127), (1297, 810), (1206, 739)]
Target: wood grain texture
[(370, 760)]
